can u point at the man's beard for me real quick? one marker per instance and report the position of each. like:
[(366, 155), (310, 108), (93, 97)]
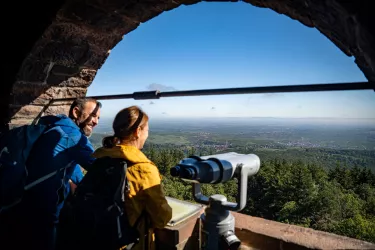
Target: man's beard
[(86, 131), (82, 124)]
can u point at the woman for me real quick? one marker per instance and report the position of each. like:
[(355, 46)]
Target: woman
[(145, 192)]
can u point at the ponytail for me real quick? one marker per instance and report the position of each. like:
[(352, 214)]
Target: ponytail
[(109, 141)]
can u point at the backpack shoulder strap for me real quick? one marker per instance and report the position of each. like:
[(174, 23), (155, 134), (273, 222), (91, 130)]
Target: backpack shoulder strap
[(45, 177), (46, 129), (123, 187), (119, 196)]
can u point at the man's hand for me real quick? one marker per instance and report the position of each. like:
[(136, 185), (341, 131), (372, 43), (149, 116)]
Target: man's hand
[(72, 186)]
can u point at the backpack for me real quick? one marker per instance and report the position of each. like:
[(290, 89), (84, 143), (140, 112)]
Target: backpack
[(15, 147), (95, 217)]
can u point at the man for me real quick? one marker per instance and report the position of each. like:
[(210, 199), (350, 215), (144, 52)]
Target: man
[(32, 224)]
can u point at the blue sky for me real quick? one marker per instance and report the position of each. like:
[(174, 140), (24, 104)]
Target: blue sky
[(225, 45)]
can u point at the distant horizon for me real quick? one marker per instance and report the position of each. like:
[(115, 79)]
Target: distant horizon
[(106, 122), (245, 117)]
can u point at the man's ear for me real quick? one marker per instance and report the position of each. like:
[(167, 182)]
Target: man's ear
[(76, 112)]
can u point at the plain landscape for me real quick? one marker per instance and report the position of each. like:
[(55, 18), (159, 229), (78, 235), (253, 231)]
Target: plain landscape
[(326, 142)]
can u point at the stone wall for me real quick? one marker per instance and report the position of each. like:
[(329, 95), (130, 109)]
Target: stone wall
[(256, 233), (80, 34)]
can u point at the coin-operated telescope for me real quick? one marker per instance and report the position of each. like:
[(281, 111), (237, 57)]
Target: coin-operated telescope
[(217, 221)]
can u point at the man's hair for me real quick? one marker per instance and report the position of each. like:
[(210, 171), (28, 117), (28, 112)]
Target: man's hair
[(80, 103)]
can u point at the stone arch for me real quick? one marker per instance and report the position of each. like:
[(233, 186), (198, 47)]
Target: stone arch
[(78, 35)]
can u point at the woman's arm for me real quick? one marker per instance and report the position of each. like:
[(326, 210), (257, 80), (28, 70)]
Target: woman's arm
[(156, 204)]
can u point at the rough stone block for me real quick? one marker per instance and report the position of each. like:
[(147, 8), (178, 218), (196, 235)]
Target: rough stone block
[(28, 113), (25, 93), (83, 79), (68, 53), (25, 112), (76, 11), (64, 70), (63, 92), (33, 70), (16, 122), (41, 94), (88, 74), (72, 81), (54, 80), (137, 11), (54, 110), (141, 11), (64, 31), (96, 59)]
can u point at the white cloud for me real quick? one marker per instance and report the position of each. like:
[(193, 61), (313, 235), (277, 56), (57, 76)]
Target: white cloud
[(160, 87), (271, 95)]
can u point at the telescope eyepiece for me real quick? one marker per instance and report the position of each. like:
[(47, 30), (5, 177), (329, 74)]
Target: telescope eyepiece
[(175, 171), (184, 172), (188, 173)]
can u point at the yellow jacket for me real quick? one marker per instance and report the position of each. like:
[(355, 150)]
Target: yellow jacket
[(145, 194)]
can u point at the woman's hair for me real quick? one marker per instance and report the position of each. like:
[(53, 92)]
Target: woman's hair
[(125, 124)]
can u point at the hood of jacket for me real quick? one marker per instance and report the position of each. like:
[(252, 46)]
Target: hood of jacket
[(127, 152), (58, 120)]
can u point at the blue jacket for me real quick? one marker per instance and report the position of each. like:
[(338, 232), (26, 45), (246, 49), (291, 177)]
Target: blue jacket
[(77, 175), (76, 178), (61, 148)]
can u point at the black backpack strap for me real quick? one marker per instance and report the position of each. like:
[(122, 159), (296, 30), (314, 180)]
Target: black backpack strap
[(119, 196), (122, 188)]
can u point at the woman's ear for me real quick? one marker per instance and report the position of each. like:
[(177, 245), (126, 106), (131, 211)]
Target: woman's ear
[(137, 133)]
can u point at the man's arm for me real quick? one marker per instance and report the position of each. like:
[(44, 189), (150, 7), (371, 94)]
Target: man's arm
[(81, 153), (77, 175), (76, 178)]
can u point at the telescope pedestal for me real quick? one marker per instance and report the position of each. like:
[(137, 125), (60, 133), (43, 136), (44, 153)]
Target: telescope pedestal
[(218, 226)]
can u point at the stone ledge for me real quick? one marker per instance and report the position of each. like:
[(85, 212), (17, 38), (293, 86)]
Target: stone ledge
[(185, 235), (258, 233)]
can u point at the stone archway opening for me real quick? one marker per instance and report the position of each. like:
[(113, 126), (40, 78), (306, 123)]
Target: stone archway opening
[(64, 60)]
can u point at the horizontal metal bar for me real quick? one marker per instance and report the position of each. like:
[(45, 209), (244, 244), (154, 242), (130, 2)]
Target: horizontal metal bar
[(233, 91), (273, 89), (99, 97)]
